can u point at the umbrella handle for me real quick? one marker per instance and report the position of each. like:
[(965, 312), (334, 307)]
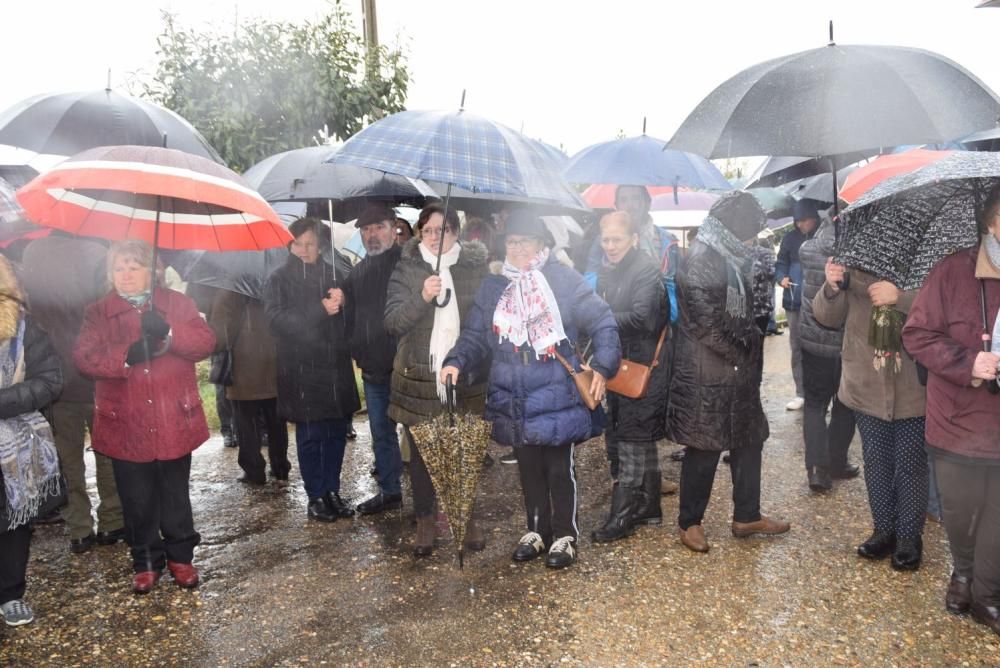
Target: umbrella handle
[(447, 298), (450, 392)]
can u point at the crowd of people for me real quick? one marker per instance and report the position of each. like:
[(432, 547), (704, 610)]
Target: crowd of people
[(645, 341)]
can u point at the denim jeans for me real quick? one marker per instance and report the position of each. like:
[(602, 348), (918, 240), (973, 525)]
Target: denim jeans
[(320, 445), (385, 442)]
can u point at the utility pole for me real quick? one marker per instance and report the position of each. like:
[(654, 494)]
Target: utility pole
[(370, 20)]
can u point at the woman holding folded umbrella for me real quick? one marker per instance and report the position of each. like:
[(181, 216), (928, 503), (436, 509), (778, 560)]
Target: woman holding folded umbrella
[(426, 334), (953, 329), (147, 411), (521, 319)]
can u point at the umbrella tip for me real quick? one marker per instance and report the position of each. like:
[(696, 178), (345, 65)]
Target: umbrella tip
[(107, 88), (831, 43), (643, 125), (461, 107)]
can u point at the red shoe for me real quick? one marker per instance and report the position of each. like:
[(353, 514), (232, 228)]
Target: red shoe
[(144, 581), (185, 575)]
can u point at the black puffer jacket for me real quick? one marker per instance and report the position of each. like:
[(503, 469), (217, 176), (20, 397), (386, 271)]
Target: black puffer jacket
[(43, 381), (634, 290), (414, 395), (714, 399), (816, 338), (366, 287), (315, 373)]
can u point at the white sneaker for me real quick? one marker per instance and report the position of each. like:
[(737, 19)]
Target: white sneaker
[(795, 404), (16, 612)]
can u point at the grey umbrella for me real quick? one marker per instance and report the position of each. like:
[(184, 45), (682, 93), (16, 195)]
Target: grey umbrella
[(905, 225)]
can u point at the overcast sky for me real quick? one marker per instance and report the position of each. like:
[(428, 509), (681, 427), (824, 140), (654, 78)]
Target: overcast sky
[(570, 72)]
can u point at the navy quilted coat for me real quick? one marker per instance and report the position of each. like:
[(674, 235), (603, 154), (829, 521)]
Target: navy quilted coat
[(532, 401)]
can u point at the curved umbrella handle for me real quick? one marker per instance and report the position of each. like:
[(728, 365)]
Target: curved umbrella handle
[(447, 298), (450, 392)]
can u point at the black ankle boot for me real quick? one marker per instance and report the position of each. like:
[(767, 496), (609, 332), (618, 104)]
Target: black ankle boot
[(908, 554), (878, 546), (648, 509), (619, 524)]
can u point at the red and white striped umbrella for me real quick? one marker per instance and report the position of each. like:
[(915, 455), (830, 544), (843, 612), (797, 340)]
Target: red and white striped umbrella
[(126, 192)]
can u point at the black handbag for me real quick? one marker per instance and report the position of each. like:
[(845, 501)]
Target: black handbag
[(221, 371)]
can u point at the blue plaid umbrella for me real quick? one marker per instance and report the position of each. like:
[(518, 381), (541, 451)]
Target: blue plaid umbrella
[(460, 149), (642, 161)]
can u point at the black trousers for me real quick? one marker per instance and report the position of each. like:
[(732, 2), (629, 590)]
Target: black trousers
[(14, 562), (698, 475), (247, 416), (548, 481), (224, 407), (970, 512), (826, 444), (421, 486), (157, 507)]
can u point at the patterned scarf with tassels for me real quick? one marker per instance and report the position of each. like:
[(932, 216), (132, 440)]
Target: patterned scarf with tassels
[(713, 233)]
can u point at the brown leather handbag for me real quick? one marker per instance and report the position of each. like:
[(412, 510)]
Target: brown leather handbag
[(632, 379), (583, 379)]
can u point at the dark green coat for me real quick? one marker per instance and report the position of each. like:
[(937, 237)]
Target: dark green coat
[(410, 319)]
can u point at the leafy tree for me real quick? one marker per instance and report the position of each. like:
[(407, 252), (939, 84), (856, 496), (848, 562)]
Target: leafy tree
[(271, 86)]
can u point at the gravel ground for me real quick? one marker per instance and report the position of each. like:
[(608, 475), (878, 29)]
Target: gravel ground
[(280, 591)]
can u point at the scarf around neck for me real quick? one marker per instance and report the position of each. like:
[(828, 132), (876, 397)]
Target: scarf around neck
[(527, 313), (28, 455), (714, 234), (139, 300), (447, 321)]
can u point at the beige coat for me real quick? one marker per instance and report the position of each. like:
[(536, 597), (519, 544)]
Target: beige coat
[(240, 323), (881, 393)]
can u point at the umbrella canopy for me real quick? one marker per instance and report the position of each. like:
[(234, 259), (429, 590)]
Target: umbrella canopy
[(818, 187), (306, 174), (884, 167), (905, 225), (775, 202), (244, 272), (780, 169), (165, 197), (13, 224), (838, 99), (684, 200), (602, 195), (452, 446), (569, 202), (642, 161), (457, 148)]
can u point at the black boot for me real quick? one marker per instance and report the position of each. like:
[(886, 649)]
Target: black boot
[(619, 524), (819, 479), (908, 554), (648, 509)]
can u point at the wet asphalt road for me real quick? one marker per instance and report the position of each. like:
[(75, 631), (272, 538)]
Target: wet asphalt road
[(280, 590)]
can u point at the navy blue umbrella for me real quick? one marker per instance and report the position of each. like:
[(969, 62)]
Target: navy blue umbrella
[(643, 161)]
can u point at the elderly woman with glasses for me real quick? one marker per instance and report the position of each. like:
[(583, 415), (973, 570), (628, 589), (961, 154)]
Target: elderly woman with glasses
[(533, 310)]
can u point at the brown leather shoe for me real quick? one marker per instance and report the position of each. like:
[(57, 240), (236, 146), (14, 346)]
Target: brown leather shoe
[(765, 525), (668, 487), (423, 542), (475, 539), (959, 596), (987, 615), (693, 538)]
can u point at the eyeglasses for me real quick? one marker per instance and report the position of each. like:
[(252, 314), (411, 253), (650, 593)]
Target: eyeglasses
[(431, 232), (523, 244)]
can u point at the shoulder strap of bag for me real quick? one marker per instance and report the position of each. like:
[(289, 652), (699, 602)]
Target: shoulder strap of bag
[(659, 346), (562, 360)]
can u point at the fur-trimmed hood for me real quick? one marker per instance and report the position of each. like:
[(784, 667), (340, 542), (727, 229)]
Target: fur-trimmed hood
[(473, 253), (11, 300)]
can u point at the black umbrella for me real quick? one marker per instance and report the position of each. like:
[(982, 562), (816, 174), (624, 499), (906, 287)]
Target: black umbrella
[(818, 187), (237, 271), (781, 169), (64, 124), (838, 99), (305, 174), (901, 228)]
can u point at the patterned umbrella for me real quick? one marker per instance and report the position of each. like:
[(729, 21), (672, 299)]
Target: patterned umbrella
[(902, 227), (452, 447)]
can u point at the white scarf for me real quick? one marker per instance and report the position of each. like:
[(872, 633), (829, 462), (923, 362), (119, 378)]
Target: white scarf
[(447, 321), (527, 312)]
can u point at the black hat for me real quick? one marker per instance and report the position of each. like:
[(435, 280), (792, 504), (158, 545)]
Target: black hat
[(803, 209), (740, 213), (375, 214), (525, 224)]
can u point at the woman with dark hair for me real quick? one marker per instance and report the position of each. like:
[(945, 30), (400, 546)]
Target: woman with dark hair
[(953, 329), (316, 386), (426, 333), (147, 411), (524, 320), (630, 282)]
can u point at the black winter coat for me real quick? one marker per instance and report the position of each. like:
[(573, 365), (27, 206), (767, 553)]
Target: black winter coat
[(715, 388), (366, 287), (413, 398), (814, 337), (315, 373), (634, 290), (43, 381)]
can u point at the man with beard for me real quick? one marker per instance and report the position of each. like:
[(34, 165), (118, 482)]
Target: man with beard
[(373, 348)]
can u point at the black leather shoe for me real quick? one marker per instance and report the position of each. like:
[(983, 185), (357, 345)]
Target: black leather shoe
[(319, 510), (529, 547), (959, 596), (878, 546), (819, 479), (280, 476), (678, 455), (988, 615), (908, 554), (379, 503), (81, 545), (846, 473), (248, 480), (562, 553), (351, 434), (620, 522), (338, 506), (229, 441), (110, 537)]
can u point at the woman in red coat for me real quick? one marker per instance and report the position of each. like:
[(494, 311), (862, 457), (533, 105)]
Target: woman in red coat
[(147, 411)]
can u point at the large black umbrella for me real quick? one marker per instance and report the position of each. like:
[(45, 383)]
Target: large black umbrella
[(902, 227), (64, 124), (838, 99)]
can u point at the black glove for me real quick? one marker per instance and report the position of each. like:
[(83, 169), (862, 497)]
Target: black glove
[(140, 351), (153, 325)]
